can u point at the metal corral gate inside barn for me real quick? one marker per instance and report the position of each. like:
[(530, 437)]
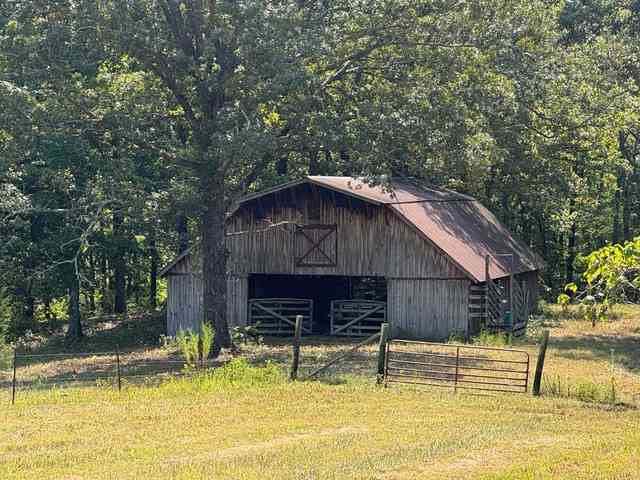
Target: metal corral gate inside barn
[(277, 316), (456, 366)]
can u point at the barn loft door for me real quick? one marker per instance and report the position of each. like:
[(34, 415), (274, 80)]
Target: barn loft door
[(316, 245)]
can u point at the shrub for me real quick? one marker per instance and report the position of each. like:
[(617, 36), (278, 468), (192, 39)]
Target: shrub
[(187, 342), (207, 335), (456, 336), (584, 390), (492, 339), (611, 275), (236, 374), (195, 347), (246, 334)]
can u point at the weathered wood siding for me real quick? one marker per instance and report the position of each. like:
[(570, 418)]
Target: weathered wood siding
[(429, 308), (531, 282), (185, 303), (477, 291), (371, 241), (237, 300)]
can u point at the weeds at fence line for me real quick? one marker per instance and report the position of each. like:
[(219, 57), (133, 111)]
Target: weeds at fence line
[(584, 390), (99, 369)]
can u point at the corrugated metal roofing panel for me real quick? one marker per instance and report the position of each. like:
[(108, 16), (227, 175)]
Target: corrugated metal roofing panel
[(467, 232), (392, 192), (458, 224)]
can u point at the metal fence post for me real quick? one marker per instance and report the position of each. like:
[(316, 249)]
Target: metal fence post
[(118, 368), (13, 382)]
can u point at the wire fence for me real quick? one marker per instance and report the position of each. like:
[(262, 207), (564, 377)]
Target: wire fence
[(42, 371)]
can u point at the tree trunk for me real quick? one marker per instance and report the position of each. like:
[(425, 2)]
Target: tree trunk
[(119, 266), (617, 207), (75, 327), (91, 291), (29, 311), (105, 304), (153, 273), (345, 160), (282, 166), (571, 253), (214, 261), (314, 165), (626, 210), (182, 228)]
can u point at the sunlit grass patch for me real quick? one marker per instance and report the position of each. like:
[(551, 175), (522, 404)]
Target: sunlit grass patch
[(245, 420)]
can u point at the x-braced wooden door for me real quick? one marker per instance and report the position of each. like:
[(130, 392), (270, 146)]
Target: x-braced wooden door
[(316, 245)]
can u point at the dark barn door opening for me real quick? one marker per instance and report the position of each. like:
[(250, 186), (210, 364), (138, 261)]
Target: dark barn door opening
[(322, 289)]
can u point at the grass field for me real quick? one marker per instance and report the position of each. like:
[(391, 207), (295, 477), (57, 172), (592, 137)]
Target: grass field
[(246, 421)]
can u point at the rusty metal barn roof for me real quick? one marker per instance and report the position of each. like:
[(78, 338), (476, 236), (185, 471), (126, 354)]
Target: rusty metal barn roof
[(457, 224)]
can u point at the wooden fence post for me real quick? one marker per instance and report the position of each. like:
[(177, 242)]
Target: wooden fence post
[(296, 347), (455, 380), (118, 368), (13, 382), (382, 348), (537, 379)]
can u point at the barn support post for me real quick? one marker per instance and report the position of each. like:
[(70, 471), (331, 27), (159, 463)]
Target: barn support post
[(537, 380), (296, 347), (382, 348)]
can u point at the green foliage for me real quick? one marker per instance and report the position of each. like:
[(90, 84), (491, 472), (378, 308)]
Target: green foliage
[(456, 337), (532, 108), (188, 342), (563, 299), (207, 335), (6, 356), (236, 374), (492, 339), (195, 346), (611, 275), (6, 314), (246, 334), (584, 390), (613, 272)]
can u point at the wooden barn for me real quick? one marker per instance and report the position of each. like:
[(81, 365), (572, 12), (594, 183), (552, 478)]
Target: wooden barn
[(348, 256)]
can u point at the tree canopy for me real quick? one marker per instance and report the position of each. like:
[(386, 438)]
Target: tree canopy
[(128, 127)]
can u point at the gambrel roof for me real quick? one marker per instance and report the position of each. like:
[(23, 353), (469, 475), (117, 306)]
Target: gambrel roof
[(458, 225)]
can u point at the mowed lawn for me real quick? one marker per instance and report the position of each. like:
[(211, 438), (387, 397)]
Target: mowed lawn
[(251, 423)]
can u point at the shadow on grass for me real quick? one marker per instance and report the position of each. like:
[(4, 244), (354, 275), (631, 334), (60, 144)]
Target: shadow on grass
[(326, 380), (105, 335), (626, 349), (104, 372)]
